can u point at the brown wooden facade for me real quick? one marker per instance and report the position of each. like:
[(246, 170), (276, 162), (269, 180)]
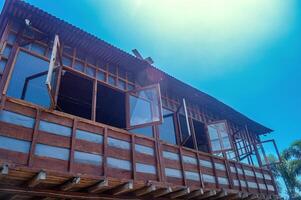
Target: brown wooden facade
[(54, 152)]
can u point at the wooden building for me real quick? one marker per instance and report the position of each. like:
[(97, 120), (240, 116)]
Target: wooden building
[(82, 119)]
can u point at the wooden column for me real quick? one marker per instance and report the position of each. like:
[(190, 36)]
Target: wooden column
[(105, 146), (72, 144), (133, 157), (34, 138)]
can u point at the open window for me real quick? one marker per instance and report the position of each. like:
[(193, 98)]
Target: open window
[(144, 107), (54, 71), (184, 127), (268, 152), (29, 75), (219, 137)]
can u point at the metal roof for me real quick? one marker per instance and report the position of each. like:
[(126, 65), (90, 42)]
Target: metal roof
[(79, 38)]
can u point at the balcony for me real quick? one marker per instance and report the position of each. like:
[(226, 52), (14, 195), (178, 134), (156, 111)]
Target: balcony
[(51, 152)]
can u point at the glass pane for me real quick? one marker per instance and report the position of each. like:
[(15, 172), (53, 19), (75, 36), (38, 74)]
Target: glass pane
[(226, 143), (268, 152), (66, 61), (140, 111), (147, 131), (183, 127), (121, 84), (7, 51), (28, 68), (130, 87), (11, 38), (37, 48), (167, 129), (101, 75), (112, 80), (215, 145), (79, 66), (2, 65), (144, 107), (90, 71), (212, 132)]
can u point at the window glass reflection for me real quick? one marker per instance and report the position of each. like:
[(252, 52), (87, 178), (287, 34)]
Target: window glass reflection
[(28, 79), (167, 128)]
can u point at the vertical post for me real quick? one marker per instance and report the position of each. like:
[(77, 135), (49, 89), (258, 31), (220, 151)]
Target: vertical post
[(229, 174), (200, 171), (34, 138), (94, 100), (254, 172), (159, 162), (72, 144), (237, 175), (214, 172), (133, 156), (245, 177), (182, 166), (105, 146)]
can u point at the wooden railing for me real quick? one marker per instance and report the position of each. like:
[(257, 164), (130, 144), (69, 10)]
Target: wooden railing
[(39, 138)]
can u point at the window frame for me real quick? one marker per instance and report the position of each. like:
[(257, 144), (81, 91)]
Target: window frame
[(55, 56), (127, 104), (182, 140), (223, 150)]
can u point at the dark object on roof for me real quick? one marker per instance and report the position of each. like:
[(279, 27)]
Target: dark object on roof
[(91, 44)]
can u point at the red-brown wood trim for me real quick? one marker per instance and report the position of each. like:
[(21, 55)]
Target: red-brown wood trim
[(72, 145), (94, 100), (133, 157), (182, 166), (228, 172), (256, 180), (34, 138), (200, 171), (214, 172), (245, 178), (158, 155), (105, 146)]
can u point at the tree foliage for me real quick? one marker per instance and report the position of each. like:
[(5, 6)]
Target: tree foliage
[(289, 169)]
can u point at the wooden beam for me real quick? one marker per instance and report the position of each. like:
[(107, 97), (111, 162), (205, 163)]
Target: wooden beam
[(207, 194), (126, 187), (38, 178), (4, 170), (145, 190), (162, 192), (179, 193), (99, 187), (70, 184), (195, 194), (56, 193), (222, 193)]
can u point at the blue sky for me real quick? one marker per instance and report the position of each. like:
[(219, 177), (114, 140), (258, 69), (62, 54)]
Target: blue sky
[(244, 53)]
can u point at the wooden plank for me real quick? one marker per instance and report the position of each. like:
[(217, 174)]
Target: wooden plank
[(99, 187), (207, 194), (38, 178), (179, 193), (34, 138), (162, 192), (194, 194), (70, 184), (55, 193), (220, 194), (72, 145), (145, 190), (4, 171), (126, 187)]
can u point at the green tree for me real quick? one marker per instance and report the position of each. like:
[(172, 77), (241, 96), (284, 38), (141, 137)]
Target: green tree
[(289, 170)]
